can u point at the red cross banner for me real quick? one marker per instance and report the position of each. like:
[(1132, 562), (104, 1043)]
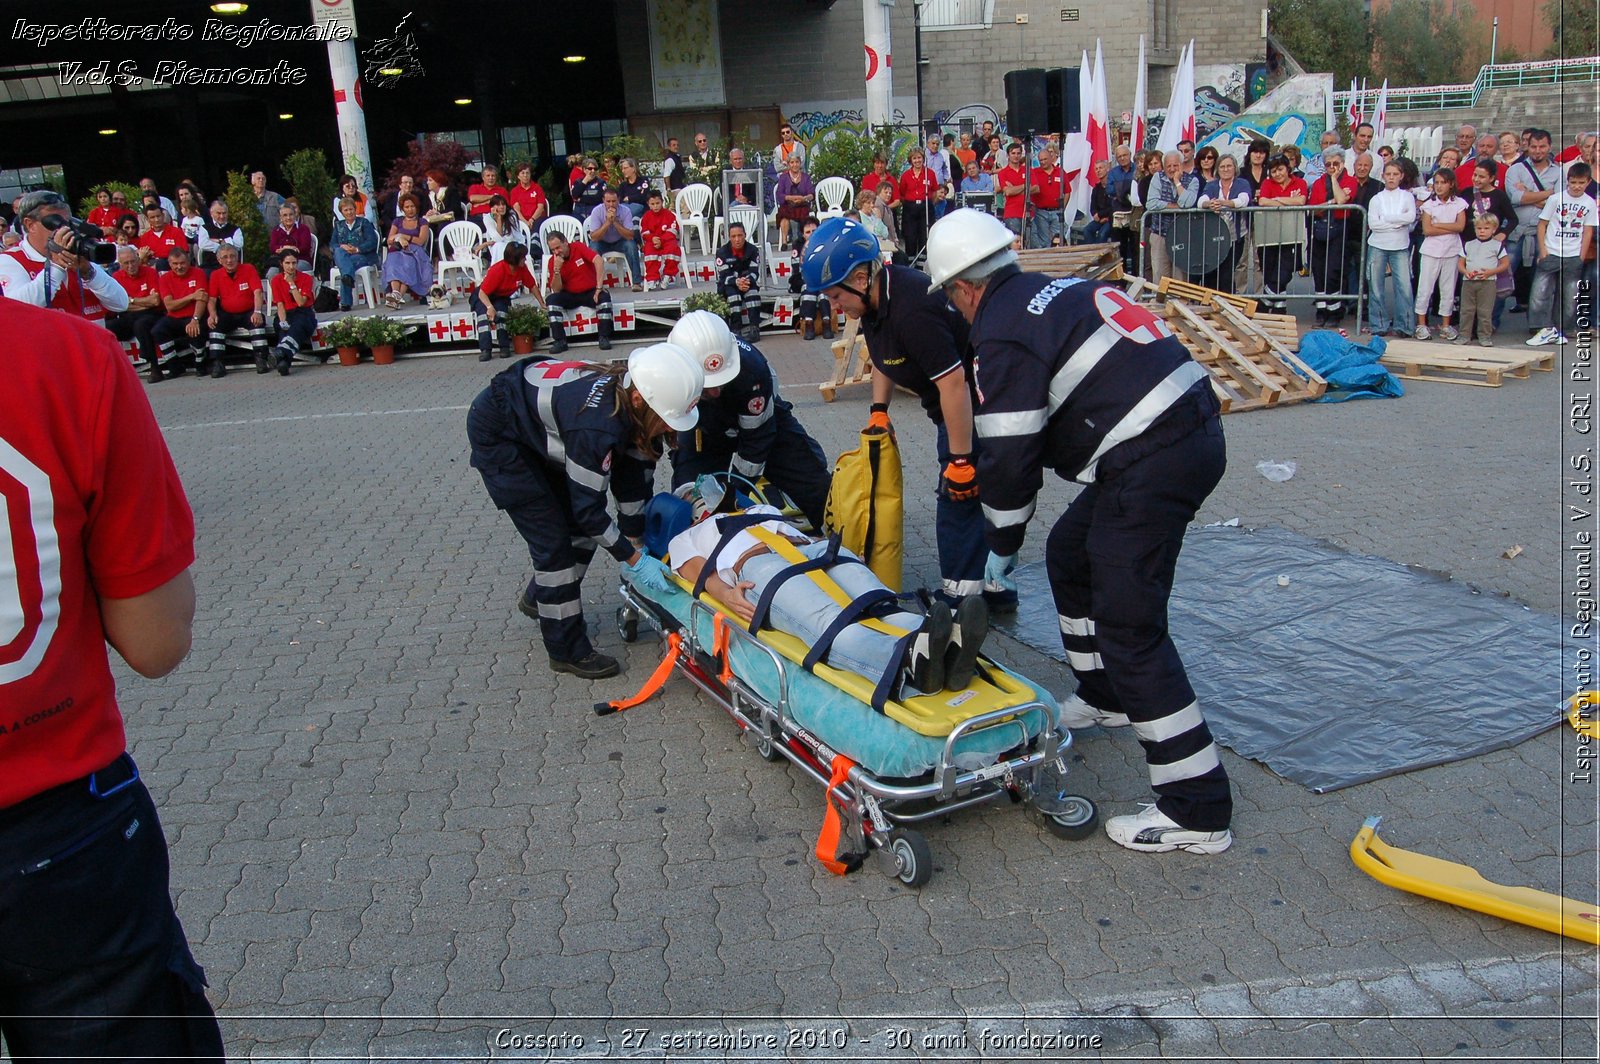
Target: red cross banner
[(623, 319), (132, 349), (463, 326), (783, 309), (704, 272), (438, 328), (581, 324)]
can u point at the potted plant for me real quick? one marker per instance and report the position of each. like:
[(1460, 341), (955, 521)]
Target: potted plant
[(345, 334), (382, 335), (711, 301), (524, 321)]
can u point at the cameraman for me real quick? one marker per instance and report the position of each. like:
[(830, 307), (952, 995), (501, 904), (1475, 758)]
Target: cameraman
[(46, 270)]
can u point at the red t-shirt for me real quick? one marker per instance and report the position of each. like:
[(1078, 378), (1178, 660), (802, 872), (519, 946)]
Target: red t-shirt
[(1050, 184), (1465, 171), (527, 201), (281, 293), (235, 293), (1011, 175), (93, 505), (502, 280), (162, 243), (485, 190), (874, 179), (581, 271), (915, 188), (1319, 193), (1270, 189), (108, 217), (171, 286), (142, 283)]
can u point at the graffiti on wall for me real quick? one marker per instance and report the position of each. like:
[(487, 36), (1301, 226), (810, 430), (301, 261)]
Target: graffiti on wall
[(979, 113), (1235, 137)]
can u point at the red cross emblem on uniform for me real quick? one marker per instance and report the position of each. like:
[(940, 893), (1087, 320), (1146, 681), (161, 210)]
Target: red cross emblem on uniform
[(782, 313), (781, 269), (463, 327), (439, 330), (1130, 319), (623, 318)]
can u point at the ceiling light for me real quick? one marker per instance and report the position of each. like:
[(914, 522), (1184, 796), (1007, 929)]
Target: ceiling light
[(230, 9), (573, 58), (391, 72), (107, 132), (463, 101), (285, 117)]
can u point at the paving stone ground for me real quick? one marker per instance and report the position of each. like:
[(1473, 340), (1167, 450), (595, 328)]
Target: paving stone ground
[(395, 833)]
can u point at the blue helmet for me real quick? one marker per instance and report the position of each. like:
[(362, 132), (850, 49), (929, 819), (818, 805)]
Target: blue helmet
[(836, 247)]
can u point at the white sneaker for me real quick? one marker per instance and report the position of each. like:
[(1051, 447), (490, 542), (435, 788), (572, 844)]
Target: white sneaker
[(1076, 714), (1561, 337), (1544, 336), (1421, 333), (1152, 831)]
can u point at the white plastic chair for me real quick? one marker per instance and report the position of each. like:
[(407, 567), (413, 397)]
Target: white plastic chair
[(693, 208), (365, 286), (458, 250), (834, 196)]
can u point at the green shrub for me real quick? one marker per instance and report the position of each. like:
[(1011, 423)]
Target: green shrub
[(380, 331), (245, 212), (89, 203), (525, 319), (343, 332), (711, 301), (313, 185)]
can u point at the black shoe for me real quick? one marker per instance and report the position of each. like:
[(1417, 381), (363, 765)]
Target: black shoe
[(925, 656), (596, 666), (283, 363), (827, 326), (261, 361), (557, 346), (1322, 316), (528, 609), (344, 309), (154, 374), (966, 639), (809, 329), (605, 341), (218, 370), (484, 356)]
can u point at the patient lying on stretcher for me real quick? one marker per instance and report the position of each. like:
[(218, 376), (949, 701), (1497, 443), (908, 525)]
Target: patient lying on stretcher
[(931, 652)]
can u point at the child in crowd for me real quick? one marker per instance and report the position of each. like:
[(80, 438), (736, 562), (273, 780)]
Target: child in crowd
[(1483, 262), (658, 237), (1444, 218), (1566, 233)]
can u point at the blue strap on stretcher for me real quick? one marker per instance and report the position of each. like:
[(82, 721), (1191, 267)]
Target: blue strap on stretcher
[(764, 605), (732, 525)]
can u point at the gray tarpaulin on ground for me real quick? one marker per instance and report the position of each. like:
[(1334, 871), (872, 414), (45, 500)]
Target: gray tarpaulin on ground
[(1359, 668)]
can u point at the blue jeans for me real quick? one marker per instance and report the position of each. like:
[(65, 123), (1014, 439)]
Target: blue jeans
[(1096, 232), (1383, 315), (348, 264), (629, 250), (804, 610), (1046, 223), (1554, 298)]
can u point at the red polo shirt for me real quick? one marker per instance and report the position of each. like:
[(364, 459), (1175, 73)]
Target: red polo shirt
[(142, 282), (171, 286), (235, 293), (527, 201), (581, 272), (162, 243), (280, 289), (1011, 175)]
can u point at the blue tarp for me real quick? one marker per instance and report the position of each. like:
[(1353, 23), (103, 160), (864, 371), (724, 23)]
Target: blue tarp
[(1351, 369)]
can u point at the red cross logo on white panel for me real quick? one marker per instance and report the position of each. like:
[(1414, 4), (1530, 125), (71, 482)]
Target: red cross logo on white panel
[(1129, 318), (781, 268), (439, 330), (703, 272), (463, 326), (624, 319), (782, 312), (580, 323)]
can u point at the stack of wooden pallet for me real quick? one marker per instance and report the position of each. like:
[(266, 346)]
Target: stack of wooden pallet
[(1482, 367), (1095, 262), (1250, 355)]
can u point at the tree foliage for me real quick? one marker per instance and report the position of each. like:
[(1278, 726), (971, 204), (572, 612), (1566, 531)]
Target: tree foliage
[(312, 184), (1325, 35), (845, 153), (245, 212), (1576, 27), (1424, 42), (129, 190), (429, 153)]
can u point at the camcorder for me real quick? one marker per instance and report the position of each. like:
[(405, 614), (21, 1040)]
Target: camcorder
[(86, 242)]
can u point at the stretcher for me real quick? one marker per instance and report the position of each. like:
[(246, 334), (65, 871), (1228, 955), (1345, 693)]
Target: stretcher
[(882, 771)]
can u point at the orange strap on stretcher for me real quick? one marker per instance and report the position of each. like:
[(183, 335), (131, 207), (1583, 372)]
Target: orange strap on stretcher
[(828, 840), (721, 637), (657, 680)]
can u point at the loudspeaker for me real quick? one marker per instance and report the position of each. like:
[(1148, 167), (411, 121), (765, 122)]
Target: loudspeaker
[(1063, 100), (1026, 102)]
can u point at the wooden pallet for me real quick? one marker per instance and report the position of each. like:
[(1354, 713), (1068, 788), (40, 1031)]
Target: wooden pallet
[(1194, 293), (1250, 367), (1096, 262), (1479, 367), (848, 348)]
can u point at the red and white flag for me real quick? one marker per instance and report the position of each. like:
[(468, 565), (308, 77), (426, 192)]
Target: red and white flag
[(1380, 114), (1099, 127), (1354, 110), (1180, 121), (1140, 106)]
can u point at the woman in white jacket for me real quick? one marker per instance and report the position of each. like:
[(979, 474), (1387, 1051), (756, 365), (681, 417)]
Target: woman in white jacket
[(1390, 216)]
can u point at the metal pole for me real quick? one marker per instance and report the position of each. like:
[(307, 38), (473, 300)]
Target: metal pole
[(1494, 40), (916, 22), (880, 77), (352, 119)]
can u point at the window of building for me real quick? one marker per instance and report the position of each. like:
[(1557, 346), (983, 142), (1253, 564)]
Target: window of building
[(957, 14), (14, 183)]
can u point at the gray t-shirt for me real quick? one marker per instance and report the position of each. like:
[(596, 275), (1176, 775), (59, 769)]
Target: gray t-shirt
[(1483, 254)]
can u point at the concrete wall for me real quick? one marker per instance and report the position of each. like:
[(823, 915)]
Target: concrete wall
[(1565, 110), (772, 51), (969, 66)]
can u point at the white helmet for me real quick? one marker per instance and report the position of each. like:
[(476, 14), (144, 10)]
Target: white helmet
[(962, 239), (707, 337), (671, 380)]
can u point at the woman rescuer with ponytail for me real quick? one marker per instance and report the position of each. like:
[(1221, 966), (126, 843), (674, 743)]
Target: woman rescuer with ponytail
[(552, 439)]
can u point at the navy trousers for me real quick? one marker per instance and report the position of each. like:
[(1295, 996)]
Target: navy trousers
[(93, 960), (958, 530), (1111, 559), (540, 508)]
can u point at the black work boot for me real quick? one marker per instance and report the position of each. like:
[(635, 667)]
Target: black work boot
[(596, 666)]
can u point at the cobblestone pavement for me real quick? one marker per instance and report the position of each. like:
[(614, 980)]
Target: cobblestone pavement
[(395, 832)]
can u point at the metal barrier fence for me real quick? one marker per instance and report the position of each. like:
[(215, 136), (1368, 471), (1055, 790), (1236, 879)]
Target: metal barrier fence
[(1278, 244)]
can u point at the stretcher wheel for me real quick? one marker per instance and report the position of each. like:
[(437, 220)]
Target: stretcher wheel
[(767, 745), (628, 623), (913, 858), (1076, 819)]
